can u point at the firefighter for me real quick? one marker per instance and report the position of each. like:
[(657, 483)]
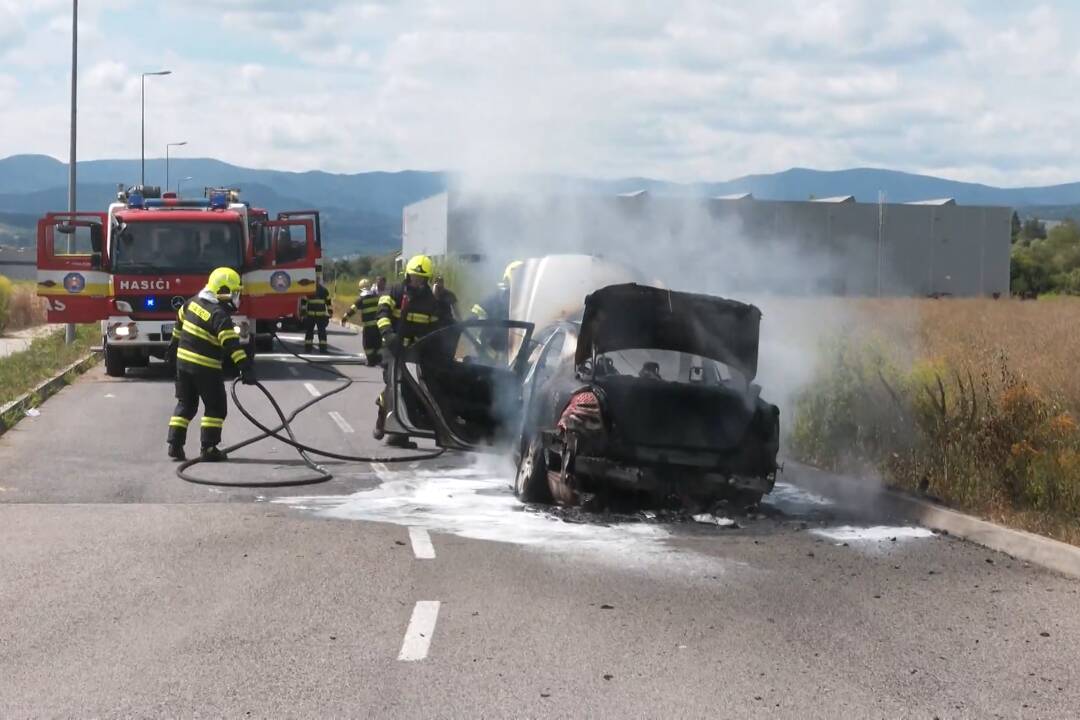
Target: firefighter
[(368, 304), (204, 337), (406, 312), (447, 299), (315, 313), (496, 306)]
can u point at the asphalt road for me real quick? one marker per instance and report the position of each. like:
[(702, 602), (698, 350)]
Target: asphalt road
[(426, 590)]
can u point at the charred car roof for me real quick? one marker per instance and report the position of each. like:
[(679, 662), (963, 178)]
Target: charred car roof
[(621, 317)]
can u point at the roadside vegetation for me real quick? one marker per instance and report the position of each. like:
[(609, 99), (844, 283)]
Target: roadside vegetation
[(20, 307), (973, 402), (22, 371), (1045, 261)]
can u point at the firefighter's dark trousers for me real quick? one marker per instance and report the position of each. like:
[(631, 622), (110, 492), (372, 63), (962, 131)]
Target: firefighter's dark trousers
[(310, 325), (208, 386)]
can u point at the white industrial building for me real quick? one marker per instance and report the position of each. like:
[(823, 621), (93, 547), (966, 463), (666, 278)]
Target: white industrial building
[(833, 245)]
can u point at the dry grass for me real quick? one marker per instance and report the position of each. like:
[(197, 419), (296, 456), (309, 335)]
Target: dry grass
[(25, 308), (970, 401)]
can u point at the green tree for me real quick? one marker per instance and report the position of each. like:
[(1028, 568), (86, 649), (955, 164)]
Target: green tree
[(1033, 229)]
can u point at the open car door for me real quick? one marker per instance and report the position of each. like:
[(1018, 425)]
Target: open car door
[(71, 267), (461, 385), (284, 270), (313, 216)]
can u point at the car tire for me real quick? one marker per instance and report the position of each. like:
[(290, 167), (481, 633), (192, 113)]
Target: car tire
[(531, 482), (114, 362)]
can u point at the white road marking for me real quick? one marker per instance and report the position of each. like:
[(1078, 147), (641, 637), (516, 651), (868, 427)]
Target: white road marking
[(294, 371), (340, 421), (421, 544), (312, 389), (418, 634)]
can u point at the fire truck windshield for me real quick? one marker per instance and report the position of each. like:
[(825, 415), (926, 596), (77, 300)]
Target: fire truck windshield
[(185, 247)]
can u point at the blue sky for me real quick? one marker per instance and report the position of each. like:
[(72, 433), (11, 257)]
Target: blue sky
[(682, 90)]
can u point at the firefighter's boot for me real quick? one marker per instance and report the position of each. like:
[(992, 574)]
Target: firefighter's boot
[(176, 452), (213, 454)]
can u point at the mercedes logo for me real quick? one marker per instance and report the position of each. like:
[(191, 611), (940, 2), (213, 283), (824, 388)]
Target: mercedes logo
[(177, 302)]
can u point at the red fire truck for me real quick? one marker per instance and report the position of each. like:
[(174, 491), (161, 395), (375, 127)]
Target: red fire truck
[(131, 267)]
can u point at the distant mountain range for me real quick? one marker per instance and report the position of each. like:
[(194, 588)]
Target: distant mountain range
[(362, 212)]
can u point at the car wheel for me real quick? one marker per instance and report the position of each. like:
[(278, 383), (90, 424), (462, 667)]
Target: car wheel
[(114, 362), (530, 483)]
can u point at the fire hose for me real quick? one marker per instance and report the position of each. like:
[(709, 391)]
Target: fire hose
[(305, 451)]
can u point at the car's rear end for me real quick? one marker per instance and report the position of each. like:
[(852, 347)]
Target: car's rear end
[(664, 403), (668, 439)]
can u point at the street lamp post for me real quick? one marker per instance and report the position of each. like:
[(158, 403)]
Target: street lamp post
[(69, 331), (142, 154), (167, 146), (180, 182)]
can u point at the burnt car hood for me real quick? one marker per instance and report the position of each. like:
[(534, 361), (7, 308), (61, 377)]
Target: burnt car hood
[(620, 317)]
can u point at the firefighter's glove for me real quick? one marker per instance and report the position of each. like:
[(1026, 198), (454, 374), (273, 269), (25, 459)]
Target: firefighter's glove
[(247, 374)]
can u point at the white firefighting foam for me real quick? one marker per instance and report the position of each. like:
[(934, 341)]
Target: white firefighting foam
[(478, 503)]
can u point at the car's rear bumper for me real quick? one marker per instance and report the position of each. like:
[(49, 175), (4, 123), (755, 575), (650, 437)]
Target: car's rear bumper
[(666, 479)]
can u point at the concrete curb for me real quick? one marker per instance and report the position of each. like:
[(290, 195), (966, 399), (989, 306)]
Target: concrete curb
[(14, 411), (854, 494)]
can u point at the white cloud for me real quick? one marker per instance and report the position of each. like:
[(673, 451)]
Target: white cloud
[(687, 90)]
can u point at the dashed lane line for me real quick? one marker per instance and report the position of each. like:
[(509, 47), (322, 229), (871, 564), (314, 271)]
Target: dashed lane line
[(418, 634), (294, 371), (421, 544), (341, 422), (312, 389)]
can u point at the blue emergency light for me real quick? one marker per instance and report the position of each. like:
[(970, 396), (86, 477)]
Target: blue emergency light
[(173, 203), (150, 302), (219, 200), (136, 200)]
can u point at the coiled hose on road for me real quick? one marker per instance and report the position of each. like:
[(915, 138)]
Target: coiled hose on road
[(305, 451)]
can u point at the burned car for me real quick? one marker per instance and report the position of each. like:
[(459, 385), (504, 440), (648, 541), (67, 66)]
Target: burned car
[(651, 393)]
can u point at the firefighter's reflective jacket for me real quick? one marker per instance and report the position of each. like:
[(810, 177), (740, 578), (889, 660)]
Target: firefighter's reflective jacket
[(316, 306), (205, 335), (410, 312), (495, 306), (366, 304)]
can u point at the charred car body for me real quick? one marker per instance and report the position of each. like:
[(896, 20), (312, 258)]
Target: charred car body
[(649, 392)]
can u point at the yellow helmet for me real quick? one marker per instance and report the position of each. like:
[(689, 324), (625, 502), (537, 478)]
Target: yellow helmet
[(225, 283), (420, 266), (364, 282), (508, 273)]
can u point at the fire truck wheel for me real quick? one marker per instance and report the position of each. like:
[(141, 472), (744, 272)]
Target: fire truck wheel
[(114, 362)]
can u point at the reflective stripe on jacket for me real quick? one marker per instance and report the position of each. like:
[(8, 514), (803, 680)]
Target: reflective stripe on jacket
[(317, 305), (206, 335), (421, 312)]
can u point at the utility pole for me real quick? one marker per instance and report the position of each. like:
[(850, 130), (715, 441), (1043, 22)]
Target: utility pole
[(880, 237), (69, 331), (142, 151)]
